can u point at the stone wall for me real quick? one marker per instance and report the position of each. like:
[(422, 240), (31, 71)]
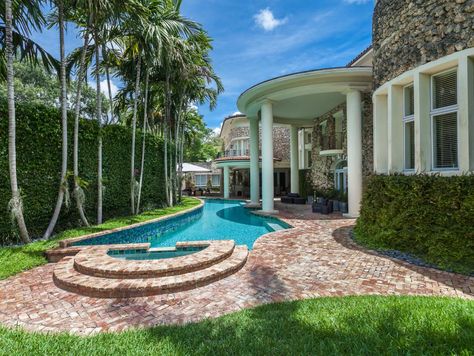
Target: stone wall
[(409, 33), (281, 140), (322, 170)]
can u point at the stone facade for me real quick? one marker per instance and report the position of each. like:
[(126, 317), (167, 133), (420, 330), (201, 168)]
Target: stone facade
[(409, 33), (281, 140), (322, 170)]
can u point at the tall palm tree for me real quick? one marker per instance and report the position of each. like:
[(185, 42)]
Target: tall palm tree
[(63, 186), (15, 204)]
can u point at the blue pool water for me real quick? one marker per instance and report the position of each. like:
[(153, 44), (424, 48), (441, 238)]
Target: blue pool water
[(216, 220)]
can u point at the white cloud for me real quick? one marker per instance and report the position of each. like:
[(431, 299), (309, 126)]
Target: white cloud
[(236, 113), (217, 131), (358, 2), (104, 88), (266, 20)]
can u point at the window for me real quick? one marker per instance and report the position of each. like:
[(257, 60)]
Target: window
[(444, 120), (201, 180), (409, 127), (216, 180)]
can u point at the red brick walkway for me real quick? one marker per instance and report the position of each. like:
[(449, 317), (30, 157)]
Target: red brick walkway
[(316, 258)]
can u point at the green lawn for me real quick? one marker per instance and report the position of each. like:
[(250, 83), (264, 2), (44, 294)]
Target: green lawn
[(17, 259), (325, 326)]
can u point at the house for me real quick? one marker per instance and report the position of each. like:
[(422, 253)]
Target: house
[(404, 105), (234, 160), (201, 176)]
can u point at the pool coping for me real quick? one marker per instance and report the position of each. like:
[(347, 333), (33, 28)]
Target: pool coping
[(68, 242)]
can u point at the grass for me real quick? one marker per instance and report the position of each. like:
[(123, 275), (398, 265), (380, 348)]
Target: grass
[(350, 325), (17, 259)]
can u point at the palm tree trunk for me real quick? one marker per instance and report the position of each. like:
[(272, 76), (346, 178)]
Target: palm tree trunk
[(63, 184), (16, 205), (165, 160), (134, 129), (78, 192), (109, 87), (145, 125), (99, 120)]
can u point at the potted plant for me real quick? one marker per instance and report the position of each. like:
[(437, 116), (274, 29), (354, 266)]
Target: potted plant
[(343, 205), (334, 199)]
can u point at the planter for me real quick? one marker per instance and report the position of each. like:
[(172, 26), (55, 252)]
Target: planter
[(343, 207), (317, 208), (335, 205)]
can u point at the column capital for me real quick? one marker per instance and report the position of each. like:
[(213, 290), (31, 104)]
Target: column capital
[(265, 101), (351, 91)]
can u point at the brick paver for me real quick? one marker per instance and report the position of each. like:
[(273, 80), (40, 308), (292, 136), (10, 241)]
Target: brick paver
[(316, 258)]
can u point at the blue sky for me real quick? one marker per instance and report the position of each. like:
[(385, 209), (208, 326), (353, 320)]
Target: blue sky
[(255, 40)]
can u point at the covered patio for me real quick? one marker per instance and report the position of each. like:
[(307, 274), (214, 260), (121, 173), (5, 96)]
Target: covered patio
[(296, 100)]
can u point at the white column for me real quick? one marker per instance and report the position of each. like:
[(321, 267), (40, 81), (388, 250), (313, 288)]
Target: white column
[(354, 151), (295, 187), (226, 182), (422, 89), (466, 113), (254, 162), (267, 157), (395, 129), (381, 134)]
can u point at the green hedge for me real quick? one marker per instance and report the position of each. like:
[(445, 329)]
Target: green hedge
[(426, 215), (39, 167)]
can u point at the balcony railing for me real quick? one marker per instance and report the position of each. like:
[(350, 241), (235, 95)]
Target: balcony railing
[(234, 153), (332, 142)]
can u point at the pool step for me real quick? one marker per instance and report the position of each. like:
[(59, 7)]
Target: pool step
[(94, 260), (275, 226), (66, 276)]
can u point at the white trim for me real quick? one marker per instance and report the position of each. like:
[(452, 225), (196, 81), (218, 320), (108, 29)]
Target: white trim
[(406, 120), (443, 111)]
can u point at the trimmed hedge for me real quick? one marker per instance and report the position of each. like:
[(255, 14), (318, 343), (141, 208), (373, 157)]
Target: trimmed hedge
[(429, 216), (39, 167)]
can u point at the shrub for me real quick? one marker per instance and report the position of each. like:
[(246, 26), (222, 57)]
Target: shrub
[(429, 216), (39, 167)]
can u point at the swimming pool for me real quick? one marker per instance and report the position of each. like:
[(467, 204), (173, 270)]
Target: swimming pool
[(216, 220)]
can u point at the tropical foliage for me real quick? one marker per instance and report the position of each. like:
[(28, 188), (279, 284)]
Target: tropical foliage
[(162, 61)]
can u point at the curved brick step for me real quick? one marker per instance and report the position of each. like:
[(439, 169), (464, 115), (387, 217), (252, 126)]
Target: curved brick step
[(65, 276), (95, 261)]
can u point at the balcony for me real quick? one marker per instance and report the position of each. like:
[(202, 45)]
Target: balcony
[(233, 153), (331, 145)]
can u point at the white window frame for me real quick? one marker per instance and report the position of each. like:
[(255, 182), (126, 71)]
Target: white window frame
[(442, 111), (407, 119), (196, 180), (218, 180)]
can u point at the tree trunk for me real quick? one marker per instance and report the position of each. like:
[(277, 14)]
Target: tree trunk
[(63, 184), (165, 160), (15, 204), (145, 125), (109, 87), (134, 129), (78, 192), (99, 120)]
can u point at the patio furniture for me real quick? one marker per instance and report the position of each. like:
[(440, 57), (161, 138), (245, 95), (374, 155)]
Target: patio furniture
[(322, 206), (293, 198)]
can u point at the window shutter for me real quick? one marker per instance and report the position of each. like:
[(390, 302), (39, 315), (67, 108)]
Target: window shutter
[(445, 90), (446, 140)]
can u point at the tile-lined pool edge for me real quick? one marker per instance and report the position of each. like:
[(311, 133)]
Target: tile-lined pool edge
[(72, 242)]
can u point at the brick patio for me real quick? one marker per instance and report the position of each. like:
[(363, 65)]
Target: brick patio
[(316, 258)]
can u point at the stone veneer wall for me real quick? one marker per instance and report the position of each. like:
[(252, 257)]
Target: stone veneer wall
[(322, 170), (281, 140), (409, 33)]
